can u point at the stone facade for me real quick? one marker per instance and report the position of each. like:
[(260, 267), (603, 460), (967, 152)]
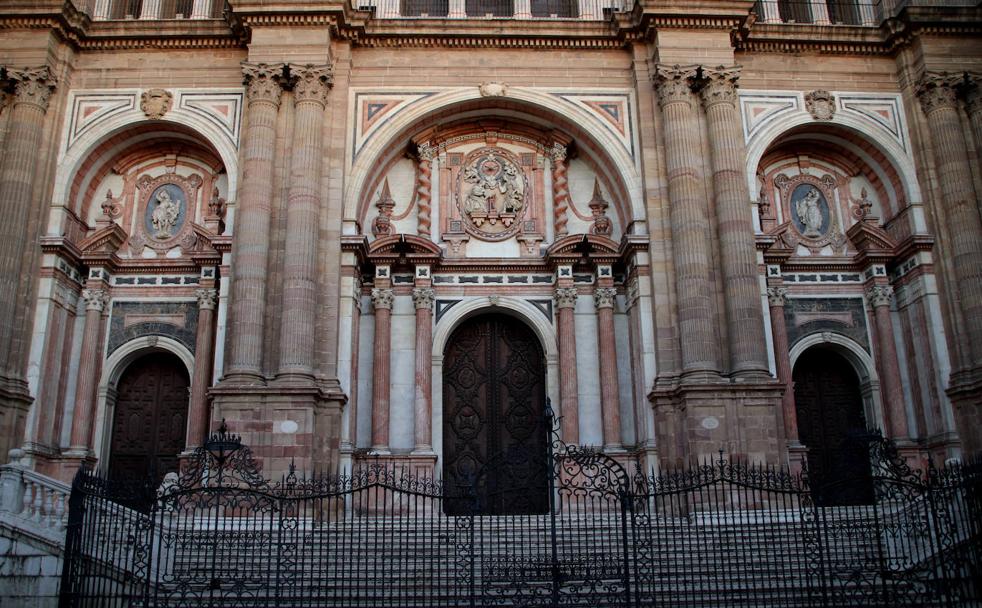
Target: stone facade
[(679, 205)]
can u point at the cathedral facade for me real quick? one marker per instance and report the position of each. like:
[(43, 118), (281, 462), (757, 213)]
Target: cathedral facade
[(403, 229)]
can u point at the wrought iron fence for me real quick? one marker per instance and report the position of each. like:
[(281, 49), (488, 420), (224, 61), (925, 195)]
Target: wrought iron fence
[(719, 534)]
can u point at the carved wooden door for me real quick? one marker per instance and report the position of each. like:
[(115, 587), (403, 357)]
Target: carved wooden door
[(150, 421), (831, 424), (493, 400)]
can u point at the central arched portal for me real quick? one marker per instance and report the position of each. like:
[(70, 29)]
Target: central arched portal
[(493, 403)]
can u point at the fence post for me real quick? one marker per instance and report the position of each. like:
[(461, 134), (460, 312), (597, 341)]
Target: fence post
[(551, 487), (626, 503), (73, 538)]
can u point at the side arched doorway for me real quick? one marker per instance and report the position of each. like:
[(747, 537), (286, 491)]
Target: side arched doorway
[(150, 418), (832, 425), (493, 403)]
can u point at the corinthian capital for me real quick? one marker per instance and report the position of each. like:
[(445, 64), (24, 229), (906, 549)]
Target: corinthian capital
[(95, 299), (557, 153), (311, 82), (973, 92), (777, 296), (604, 297), (565, 297), (719, 85), (263, 81), (879, 295), (206, 298), (382, 298), (423, 297), (32, 86), (938, 90), (674, 83)]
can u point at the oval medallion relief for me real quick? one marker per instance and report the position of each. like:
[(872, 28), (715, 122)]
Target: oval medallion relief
[(492, 194)]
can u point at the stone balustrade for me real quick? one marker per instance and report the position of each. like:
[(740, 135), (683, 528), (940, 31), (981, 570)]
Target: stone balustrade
[(822, 12), (38, 501)]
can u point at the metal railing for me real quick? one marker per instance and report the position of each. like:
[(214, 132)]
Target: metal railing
[(584, 10), (149, 10), (820, 12)]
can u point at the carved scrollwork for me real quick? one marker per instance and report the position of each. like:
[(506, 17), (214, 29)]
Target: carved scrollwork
[(32, 86), (156, 102), (382, 298), (879, 295), (311, 83), (674, 83), (95, 299), (777, 296), (820, 104), (605, 297), (719, 85), (263, 82), (423, 297), (938, 90), (207, 298), (565, 297)]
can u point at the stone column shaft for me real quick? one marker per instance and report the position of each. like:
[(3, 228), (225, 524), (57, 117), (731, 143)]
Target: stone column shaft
[(777, 297), (424, 194), (568, 386), (689, 213), (303, 211), (382, 299), (738, 258), (199, 415), (973, 105), (560, 190), (610, 396), (90, 358), (938, 98), (894, 409), (423, 405), (251, 244)]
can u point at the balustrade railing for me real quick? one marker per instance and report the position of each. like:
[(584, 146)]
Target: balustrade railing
[(585, 10), (34, 498), (820, 12)]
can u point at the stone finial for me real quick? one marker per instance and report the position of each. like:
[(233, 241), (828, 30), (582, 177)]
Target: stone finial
[(32, 86), (95, 299), (604, 297), (382, 298), (311, 83), (777, 296), (207, 298), (938, 90), (156, 102), (598, 206), (864, 205), (216, 205), (382, 224), (719, 85), (674, 83), (879, 295), (565, 297), (110, 206), (263, 81), (820, 104), (423, 297)]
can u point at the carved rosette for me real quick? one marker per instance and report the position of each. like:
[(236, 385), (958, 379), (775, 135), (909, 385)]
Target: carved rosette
[(879, 295), (565, 297), (382, 298), (423, 297), (719, 85), (263, 82), (777, 296), (156, 102), (938, 90), (674, 83), (311, 83), (32, 86), (820, 104), (604, 297), (95, 299), (492, 194), (207, 298)]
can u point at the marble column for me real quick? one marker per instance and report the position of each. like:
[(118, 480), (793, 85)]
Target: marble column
[(310, 88), (973, 105), (937, 94), (382, 300), (423, 404), (610, 396), (894, 406), (689, 214), (424, 193), (18, 169), (777, 298), (560, 190), (199, 415), (569, 409), (734, 221), (251, 243), (90, 359)]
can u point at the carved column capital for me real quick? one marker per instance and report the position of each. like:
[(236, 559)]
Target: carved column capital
[(311, 83), (604, 297), (565, 297), (777, 296), (382, 298), (879, 295), (32, 86), (674, 83), (558, 153), (423, 297), (973, 92), (427, 152), (938, 90), (263, 82), (207, 298), (719, 85), (95, 299)]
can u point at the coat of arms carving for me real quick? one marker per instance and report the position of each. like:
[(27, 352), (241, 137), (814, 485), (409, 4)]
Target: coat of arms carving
[(492, 194), (156, 102)]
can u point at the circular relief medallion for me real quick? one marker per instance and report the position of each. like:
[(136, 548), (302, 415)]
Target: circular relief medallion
[(165, 211), (492, 194)]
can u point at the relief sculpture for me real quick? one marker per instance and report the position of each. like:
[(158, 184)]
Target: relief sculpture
[(492, 194)]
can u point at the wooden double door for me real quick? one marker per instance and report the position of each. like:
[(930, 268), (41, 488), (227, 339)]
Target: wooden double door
[(150, 418), (494, 438)]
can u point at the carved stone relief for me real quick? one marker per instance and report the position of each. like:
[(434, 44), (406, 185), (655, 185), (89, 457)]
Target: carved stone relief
[(177, 320), (168, 204), (809, 203), (820, 104), (156, 102), (492, 193), (845, 316)]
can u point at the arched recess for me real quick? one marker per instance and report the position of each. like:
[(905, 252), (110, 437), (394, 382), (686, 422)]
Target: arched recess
[(531, 105), (112, 370), (523, 311)]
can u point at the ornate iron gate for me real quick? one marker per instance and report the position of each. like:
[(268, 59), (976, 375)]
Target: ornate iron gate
[(717, 534)]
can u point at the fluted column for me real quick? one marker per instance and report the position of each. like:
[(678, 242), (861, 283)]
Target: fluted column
[(689, 211), (18, 168), (382, 300), (569, 409), (777, 298), (204, 347), (738, 259), (251, 243), (973, 105), (424, 194), (560, 190), (937, 93), (423, 408), (610, 396), (310, 87), (894, 409), (90, 358)]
